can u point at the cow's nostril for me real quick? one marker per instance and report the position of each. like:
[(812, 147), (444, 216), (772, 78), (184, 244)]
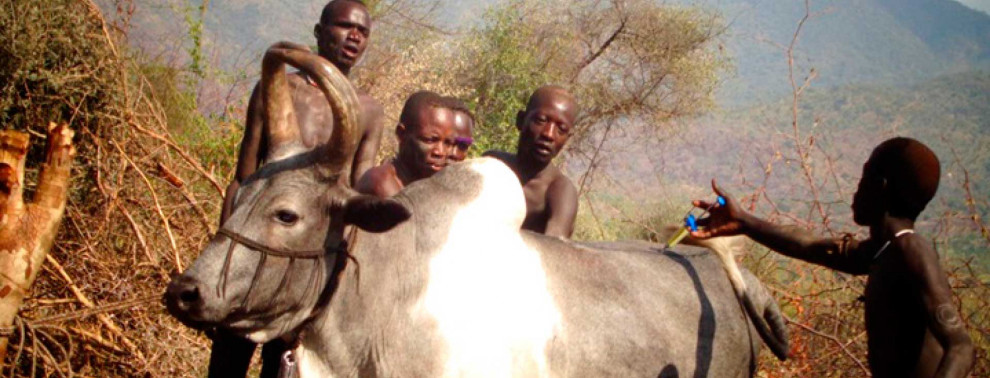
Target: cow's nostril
[(183, 296), (189, 295)]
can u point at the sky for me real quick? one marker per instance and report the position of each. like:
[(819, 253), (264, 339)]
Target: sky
[(981, 5)]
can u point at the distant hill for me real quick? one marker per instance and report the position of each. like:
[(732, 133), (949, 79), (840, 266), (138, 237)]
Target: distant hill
[(850, 41), (950, 112)]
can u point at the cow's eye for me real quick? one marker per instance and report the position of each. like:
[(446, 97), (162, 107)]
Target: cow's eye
[(286, 217)]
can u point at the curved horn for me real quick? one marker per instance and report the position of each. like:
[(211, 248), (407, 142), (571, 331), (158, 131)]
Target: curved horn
[(280, 113)]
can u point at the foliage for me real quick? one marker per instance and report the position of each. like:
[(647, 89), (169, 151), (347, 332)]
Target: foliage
[(624, 60), (140, 205), (47, 76)]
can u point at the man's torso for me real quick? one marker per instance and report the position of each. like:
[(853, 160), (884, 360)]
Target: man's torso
[(900, 344), (312, 111), (534, 190)]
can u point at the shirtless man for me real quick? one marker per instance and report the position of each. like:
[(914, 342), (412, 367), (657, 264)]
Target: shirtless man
[(912, 327), (544, 127), (341, 36), (433, 131)]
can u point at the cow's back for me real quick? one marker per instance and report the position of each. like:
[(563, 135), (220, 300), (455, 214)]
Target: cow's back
[(460, 291), (629, 309)]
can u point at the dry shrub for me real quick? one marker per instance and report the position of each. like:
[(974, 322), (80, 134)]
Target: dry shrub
[(392, 74), (140, 205), (825, 313)]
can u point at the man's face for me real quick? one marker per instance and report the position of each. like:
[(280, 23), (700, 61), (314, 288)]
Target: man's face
[(462, 137), (545, 128), (342, 41), (868, 202), (425, 147)]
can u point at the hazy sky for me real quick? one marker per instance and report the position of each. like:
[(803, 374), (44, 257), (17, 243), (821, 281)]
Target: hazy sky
[(983, 5)]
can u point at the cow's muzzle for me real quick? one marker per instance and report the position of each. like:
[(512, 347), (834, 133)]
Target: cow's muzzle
[(184, 300)]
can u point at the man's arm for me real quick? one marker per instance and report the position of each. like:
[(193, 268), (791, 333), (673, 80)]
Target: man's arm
[(843, 254), (562, 203), (943, 319), (372, 121), (251, 152)]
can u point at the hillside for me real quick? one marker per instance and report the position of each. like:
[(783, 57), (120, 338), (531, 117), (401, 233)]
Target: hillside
[(850, 41), (950, 113)]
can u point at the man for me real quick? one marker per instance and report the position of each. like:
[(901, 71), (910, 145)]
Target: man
[(341, 36), (433, 131), (463, 131), (544, 127), (912, 327)]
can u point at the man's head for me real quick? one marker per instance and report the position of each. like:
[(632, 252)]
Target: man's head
[(463, 129), (900, 178), (342, 33), (427, 134), (546, 124)]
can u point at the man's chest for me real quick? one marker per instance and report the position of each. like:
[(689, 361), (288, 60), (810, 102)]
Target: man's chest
[(313, 114), (536, 197)]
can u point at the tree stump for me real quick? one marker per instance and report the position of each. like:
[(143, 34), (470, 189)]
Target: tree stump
[(27, 230)]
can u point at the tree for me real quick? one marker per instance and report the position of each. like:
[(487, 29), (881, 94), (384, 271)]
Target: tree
[(631, 62)]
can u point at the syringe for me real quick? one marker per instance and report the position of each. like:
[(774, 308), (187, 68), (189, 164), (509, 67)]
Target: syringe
[(691, 223)]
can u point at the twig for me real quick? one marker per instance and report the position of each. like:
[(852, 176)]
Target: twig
[(141, 240), (158, 206), (185, 155), (835, 340), (86, 302)]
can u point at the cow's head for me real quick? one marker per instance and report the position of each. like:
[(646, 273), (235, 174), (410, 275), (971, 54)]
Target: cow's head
[(265, 272)]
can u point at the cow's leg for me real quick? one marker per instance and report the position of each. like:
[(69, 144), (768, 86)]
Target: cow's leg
[(230, 356)]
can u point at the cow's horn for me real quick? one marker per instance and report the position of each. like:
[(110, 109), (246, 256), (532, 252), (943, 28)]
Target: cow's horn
[(280, 114)]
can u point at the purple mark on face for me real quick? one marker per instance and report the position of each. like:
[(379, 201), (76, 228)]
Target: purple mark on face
[(464, 142)]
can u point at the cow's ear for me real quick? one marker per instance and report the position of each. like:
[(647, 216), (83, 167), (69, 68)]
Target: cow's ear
[(374, 214)]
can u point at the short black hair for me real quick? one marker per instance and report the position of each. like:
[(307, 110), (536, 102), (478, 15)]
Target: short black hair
[(417, 101), (912, 173), (429, 99), (455, 104), (327, 13)]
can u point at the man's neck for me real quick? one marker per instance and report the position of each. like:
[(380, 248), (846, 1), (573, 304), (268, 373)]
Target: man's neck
[(343, 69), (402, 172), (889, 226), (528, 169)]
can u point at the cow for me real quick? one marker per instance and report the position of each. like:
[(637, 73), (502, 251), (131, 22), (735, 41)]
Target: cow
[(439, 280)]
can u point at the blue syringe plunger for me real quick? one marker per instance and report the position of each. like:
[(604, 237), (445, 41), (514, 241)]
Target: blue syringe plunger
[(691, 223)]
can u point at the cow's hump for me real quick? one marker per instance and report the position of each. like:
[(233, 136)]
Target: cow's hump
[(487, 289)]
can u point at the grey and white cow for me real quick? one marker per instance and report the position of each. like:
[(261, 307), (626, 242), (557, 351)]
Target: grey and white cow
[(440, 281)]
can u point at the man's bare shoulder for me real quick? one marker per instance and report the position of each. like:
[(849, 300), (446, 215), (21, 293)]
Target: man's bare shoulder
[(369, 104), (561, 187), (917, 252), (380, 181), (562, 182)]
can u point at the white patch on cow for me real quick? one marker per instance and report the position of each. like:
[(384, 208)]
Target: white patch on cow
[(487, 289), (310, 364)]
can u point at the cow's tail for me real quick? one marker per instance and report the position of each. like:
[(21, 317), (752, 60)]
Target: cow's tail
[(762, 309)]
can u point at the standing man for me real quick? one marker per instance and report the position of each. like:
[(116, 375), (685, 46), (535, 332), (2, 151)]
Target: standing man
[(912, 326), (341, 36), (544, 127), (433, 131)]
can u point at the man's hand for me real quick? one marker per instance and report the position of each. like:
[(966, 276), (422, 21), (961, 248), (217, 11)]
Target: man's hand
[(725, 220)]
